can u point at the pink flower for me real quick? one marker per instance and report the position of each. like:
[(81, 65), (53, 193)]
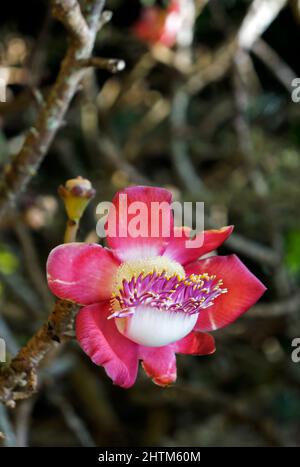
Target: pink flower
[(150, 298), (159, 25)]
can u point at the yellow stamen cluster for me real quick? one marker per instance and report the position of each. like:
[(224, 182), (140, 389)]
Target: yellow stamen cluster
[(158, 264)]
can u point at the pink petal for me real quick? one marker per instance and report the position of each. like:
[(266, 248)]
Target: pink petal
[(81, 272), (103, 343), (195, 343), (148, 242), (211, 239), (244, 289), (159, 364)]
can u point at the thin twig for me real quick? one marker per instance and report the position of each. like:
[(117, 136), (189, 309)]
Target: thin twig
[(6, 429), (113, 65), (281, 308), (23, 422), (260, 15), (101, 142), (242, 126), (261, 253), (275, 63), (180, 153), (32, 261), (23, 292), (73, 421)]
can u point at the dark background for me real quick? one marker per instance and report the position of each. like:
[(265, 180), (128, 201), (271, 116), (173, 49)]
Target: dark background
[(240, 137)]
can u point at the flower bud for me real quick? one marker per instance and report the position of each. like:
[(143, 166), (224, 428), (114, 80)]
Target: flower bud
[(76, 194)]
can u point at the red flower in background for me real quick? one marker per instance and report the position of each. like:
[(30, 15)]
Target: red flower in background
[(150, 298), (158, 25)]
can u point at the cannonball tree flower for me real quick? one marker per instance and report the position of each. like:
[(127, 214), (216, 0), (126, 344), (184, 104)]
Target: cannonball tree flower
[(149, 297)]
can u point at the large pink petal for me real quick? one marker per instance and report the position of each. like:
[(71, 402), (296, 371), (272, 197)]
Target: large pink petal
[(178, 250), (106, 347), (244, 289), (159, 364), (81, 272), (151, 234), (195, 343)]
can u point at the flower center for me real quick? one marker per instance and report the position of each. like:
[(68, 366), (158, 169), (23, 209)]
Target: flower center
[(154, 304)]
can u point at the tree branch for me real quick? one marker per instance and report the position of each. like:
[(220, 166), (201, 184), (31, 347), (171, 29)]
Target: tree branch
[(69, 14), (19, 379), (18, 173)]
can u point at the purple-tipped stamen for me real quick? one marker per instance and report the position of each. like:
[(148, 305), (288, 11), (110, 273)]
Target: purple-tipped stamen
[(156, 290)]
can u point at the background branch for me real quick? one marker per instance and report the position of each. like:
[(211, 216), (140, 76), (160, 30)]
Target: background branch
[(18, 173)]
